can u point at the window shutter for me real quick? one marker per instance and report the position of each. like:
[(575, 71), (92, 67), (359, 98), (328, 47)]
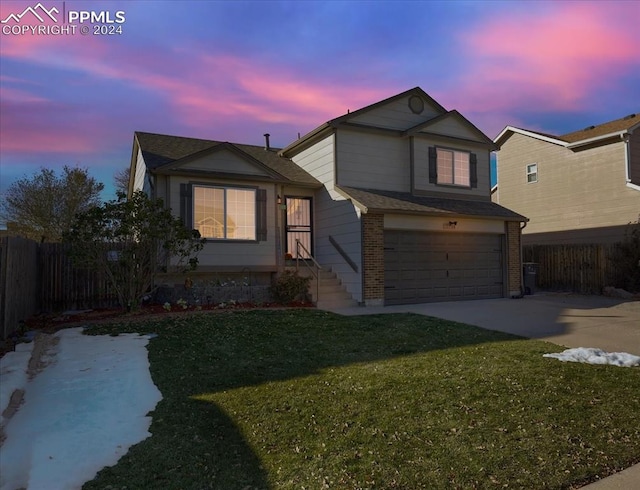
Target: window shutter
[(261, 215), (433, 165), (186, 205), (473, 170)]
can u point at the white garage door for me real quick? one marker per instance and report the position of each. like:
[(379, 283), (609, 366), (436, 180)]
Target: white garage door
[(426, 266)]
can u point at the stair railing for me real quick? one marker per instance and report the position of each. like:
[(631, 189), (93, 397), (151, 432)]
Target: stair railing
[(315, 272)]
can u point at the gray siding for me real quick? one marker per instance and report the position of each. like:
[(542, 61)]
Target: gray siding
[(224, 161), (141, 173), (453, 127), (421, 168), (339, 219), (319, 161), (373, 161), (333, 216), (233, 253), (396, 115)]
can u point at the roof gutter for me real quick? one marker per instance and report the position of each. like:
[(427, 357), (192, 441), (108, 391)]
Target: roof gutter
[(620, 134), (436, 214), (531, 134), (307, 140)]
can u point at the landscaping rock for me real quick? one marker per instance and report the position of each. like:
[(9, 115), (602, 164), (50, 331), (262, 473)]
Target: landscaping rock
[(616, 293)]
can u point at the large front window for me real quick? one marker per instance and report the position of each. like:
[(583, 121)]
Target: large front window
[(453, 167), (225, 213)]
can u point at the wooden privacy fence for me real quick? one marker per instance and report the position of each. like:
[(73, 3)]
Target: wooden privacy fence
[(19, 282), (66, 287), (38, 278), (583, 269)]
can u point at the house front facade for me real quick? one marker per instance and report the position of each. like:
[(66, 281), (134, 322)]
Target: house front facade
[(581, 187), (235, 195), (393, 199)]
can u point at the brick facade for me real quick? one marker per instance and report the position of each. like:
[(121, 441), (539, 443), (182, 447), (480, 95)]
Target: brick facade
[(373, 259), (514, 260)]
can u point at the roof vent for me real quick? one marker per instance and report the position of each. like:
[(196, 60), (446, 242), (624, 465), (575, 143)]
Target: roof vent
[(630, 116), (588, 128), (266, 141)]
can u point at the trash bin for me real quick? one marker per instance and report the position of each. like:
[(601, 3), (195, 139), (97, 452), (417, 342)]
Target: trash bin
[(529, 273)]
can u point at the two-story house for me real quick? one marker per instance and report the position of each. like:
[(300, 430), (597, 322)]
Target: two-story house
[(581, 187), (393, 198)]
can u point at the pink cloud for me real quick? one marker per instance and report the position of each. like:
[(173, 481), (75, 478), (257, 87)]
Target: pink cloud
[(57, 139), (201, 88), (557, 56), (34, 124)]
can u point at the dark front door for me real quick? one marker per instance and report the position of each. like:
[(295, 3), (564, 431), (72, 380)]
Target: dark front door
[(298, 225)]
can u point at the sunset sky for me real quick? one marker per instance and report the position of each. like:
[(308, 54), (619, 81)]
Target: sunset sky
[(232, 71)]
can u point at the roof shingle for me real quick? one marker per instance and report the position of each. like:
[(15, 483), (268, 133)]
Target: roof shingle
[(161, 149), (621, 124), (405, 202)]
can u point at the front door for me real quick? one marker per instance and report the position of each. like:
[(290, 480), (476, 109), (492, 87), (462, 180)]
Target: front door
[(298, 225)]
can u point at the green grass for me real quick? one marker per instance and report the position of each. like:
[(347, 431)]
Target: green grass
[(306, 399)]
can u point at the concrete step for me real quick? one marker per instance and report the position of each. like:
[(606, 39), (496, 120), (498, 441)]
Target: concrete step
[(337, 295), (327, 291), (335, 305)]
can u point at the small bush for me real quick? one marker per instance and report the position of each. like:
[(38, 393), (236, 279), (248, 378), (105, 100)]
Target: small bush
[(290, 286), (626, 258)]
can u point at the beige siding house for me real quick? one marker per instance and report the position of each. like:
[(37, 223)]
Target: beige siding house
[(581, 187), (392, 202)]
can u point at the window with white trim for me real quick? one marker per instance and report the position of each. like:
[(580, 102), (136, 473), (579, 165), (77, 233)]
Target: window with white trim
[(532, 173), (224, 213)]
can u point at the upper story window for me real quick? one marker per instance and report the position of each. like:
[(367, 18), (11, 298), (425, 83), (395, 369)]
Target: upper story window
[(532, 173), (226, 213), (452, 167)]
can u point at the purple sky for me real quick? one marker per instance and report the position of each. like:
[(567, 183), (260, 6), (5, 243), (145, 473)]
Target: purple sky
[(233, 71)]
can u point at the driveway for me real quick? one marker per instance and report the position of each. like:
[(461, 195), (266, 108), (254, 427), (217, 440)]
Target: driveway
[(565, 319)]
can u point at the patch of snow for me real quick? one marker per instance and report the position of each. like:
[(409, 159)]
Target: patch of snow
[(596, 356), (81, 413), (13, 373)]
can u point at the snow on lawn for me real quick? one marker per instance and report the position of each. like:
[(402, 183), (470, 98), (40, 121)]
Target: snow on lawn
[(596, 356), (80, 414), (13, 373)]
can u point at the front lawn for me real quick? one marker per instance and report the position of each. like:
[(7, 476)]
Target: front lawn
[(307, 399)]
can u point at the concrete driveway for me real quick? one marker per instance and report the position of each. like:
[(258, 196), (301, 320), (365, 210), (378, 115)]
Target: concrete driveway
[(565, 319)]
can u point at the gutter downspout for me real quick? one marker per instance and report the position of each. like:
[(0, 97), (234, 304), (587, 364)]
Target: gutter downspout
[(280, 238), (524, 225), (627, 163)]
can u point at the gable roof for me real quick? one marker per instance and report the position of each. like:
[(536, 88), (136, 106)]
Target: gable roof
[(326, 128), (372, 200), (160, 150), (414, 91), (454, 114), (575, 139)]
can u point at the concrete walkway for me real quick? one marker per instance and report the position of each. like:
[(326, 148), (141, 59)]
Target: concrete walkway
[(564, 319)]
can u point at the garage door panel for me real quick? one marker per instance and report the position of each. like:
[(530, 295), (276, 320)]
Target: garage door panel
[(427, 266)]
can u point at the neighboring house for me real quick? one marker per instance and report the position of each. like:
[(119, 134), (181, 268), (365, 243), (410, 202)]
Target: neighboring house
[(581, 187), (394, 199)]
